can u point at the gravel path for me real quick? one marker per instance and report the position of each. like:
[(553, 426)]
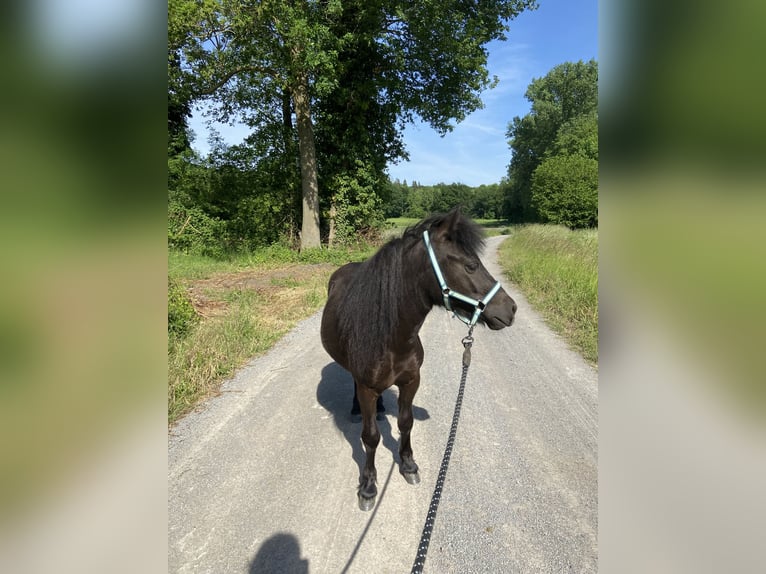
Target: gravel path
[(263, 477)]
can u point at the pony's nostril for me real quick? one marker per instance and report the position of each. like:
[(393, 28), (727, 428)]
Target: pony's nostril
[(513, 308)]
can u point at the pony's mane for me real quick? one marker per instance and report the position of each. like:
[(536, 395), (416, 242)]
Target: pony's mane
[(468, 236), (369, 312)]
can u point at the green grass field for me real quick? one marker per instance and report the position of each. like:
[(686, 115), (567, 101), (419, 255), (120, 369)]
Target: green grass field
[(557, 269), (188, 266), (243, 306)]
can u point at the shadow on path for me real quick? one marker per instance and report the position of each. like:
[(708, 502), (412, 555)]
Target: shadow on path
[(279, 553), (335, 392)]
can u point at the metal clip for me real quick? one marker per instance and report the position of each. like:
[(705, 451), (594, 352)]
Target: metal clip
[(467, 342), (467, 356)]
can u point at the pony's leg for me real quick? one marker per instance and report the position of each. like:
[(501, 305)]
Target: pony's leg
[(356, 410), (407, 392), (370, 437)]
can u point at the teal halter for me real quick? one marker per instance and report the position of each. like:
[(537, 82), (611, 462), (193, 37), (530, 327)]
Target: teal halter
[(479, 306)]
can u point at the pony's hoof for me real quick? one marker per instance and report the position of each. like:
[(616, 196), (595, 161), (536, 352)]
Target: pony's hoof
[(366, 504), (411, 477)]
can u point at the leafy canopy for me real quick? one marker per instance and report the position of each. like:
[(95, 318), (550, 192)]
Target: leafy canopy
[(359, 70), (563, 121)]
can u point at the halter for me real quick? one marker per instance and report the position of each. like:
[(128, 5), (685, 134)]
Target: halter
[(447, 292)]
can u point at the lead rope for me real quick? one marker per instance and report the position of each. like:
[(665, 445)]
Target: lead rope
[(425, 538)]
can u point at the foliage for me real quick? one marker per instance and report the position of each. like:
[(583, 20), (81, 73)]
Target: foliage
[(180, 24), (181, 314), (231, 201), (565, 191), (256, 196), (192, 230), (356, 129), (487, 202), (558, 271), (435, 54), (418, 201), (578, 136), (396, 194), (562, 121), (351, 74), (358, 204)]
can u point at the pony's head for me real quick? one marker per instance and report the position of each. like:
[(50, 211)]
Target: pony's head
[(457, 242)]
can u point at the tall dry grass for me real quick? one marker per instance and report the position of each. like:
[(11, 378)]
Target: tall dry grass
[(557, 269)]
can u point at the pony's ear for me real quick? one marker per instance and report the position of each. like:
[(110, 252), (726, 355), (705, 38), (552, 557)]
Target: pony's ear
[(449, 224)]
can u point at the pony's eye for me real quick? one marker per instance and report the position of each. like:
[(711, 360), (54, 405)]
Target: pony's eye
[(471, 266)]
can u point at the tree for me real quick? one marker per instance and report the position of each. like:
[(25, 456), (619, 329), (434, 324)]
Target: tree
[(578, 136), (179, 96), (396, 199), (261, 62), (488, 201), (399, 59), (559, 101), (564, 186), (448, 196), (356, 129), (351, 65)]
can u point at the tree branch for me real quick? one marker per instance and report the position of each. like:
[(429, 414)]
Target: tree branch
[(221, 81)]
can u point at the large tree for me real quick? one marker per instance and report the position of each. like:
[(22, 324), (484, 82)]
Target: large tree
[(357, 133), (261, 62), (563, 117), (375, 64), (564, 187)]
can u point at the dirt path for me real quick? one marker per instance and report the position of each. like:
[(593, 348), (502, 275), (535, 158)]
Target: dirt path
[(263, 478)]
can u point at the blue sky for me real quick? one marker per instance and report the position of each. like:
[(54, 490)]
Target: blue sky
[(476, 152)]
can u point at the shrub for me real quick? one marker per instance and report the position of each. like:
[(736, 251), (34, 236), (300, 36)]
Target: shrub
[(181, 314), (359, 208), (192, 230), (565, 191)]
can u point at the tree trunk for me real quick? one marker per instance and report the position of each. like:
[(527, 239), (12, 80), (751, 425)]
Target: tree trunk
[(331, 238), (308, 161)]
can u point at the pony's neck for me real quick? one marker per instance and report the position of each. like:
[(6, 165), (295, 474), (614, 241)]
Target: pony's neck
[(417, 301)]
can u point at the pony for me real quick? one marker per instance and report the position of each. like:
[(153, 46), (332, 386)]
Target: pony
[(376, 308)]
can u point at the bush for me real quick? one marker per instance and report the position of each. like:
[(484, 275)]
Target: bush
[(229, 203), (359, 208), (181, 314), (192, 230), (565, 191)]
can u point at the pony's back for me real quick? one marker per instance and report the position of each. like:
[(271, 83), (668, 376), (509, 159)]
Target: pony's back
[(362, 308)]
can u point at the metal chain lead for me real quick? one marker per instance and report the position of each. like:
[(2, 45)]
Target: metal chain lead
[(425, 538)]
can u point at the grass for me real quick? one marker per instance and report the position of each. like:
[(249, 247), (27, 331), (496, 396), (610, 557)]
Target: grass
[(246, 304), (186, 266), (402, 222), (558, 271)]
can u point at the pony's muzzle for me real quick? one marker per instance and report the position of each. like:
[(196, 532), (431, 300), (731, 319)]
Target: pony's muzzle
[(501, 312)]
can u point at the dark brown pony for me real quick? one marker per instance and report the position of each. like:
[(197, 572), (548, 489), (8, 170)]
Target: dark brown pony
[(375, 310)]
